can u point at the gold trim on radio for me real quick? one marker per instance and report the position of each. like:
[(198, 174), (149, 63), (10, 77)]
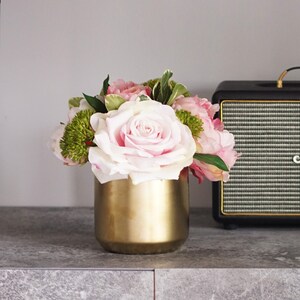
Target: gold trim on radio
[(222, 190)]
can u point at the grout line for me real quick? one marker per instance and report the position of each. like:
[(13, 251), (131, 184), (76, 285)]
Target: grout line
[(154, 285)]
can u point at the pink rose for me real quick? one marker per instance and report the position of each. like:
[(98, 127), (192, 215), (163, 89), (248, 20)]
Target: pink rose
[(128, 89), (143, 140)]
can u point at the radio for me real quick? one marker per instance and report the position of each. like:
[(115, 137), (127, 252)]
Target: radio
[(264, 184)]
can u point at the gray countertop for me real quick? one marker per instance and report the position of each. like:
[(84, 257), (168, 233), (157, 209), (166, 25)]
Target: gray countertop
[(63, 238)]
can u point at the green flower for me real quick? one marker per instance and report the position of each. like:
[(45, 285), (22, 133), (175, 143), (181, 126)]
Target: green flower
[(78, 137), (194, 123)]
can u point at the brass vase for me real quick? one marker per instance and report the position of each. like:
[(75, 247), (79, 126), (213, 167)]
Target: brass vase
[(151, 217)]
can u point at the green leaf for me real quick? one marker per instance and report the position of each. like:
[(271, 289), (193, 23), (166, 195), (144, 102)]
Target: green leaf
[(178, 90), (173, 83), (113, 102), (165, 89), (75, 102), (155, 90), (105, 85), (95, 103), (212, 160)]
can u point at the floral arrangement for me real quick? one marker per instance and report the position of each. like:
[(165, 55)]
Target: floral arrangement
[(145, 131)]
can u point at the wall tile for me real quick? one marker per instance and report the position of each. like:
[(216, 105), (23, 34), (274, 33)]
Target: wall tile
[(223, 284), (75, 284)]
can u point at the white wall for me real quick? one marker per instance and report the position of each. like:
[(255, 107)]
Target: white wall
[(54, 49)]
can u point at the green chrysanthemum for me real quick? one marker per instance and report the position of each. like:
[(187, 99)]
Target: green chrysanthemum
[(77, 138), (194, 123)]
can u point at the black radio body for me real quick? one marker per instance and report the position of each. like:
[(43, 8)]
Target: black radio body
[(264, 184)]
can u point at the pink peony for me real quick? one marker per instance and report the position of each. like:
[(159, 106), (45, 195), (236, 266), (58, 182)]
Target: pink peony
[(199, 107), (216, 142), (128, 89), (213, 139)]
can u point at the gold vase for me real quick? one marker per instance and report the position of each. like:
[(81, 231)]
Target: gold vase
[(151, 217)]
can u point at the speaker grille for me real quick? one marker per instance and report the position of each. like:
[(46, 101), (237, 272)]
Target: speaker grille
[(265, 180)]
